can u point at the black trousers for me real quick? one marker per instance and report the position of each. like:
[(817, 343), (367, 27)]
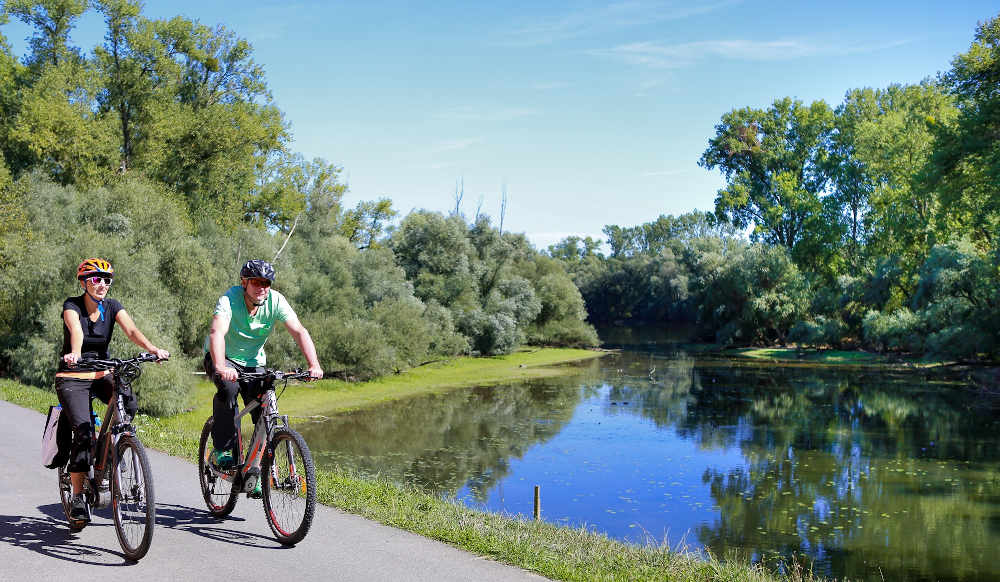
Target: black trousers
[(74, 396), (224, 404)]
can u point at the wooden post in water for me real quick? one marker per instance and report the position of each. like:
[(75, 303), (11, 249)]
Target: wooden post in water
[(538, 504)]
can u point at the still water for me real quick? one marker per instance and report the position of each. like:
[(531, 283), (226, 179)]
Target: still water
[(865, 474)]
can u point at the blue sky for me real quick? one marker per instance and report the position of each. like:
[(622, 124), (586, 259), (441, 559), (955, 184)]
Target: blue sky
[(587, 114)]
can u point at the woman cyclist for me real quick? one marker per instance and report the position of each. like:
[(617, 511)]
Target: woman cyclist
[(88, 322)]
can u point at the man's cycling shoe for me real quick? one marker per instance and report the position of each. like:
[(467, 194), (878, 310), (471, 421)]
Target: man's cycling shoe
[(79, 511), (256, 492), (221, 460)]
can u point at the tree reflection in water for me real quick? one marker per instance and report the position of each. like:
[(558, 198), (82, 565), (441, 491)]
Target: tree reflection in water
[(855, 473)]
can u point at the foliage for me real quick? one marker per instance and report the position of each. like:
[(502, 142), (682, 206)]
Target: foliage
[(772, 160), (965, 168)]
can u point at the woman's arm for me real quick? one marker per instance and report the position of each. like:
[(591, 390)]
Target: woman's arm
[(72, 321), (132, 332)]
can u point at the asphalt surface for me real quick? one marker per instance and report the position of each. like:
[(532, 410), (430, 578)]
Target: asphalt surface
[(189, 544)]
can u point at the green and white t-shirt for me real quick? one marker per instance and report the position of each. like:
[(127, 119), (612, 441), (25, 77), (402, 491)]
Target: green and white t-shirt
[(247, 333)]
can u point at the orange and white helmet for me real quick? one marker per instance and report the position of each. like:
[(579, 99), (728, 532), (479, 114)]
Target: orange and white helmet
[(94, 266)]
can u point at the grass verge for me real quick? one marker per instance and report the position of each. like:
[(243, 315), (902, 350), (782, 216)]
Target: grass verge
[(831, 357), (556, 552)]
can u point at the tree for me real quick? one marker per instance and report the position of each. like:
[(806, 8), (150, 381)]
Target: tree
[(965, 167), (885, 137), (365, 223), (12, 78), (58, 129), (773, 164), (52, 20), (574, 249)]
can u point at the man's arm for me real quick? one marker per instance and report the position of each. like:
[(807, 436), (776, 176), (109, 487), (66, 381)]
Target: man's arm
[(217, 346), (302, 337)]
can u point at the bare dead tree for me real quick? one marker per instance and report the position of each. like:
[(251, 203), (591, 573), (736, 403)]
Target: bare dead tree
[(503, 207), (479, 210), (459, 194), (287, 238)]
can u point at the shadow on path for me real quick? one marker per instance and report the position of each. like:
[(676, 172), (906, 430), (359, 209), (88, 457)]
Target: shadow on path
[(200, 522), (51, 537)]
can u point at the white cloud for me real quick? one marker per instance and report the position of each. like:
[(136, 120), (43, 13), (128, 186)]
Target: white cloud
[(664, 56), (606, 17)]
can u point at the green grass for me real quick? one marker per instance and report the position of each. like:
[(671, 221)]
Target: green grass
[(829, 357), (556, 552)]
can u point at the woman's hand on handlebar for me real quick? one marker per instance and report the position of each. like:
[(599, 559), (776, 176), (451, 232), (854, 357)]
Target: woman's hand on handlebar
[(160, 354)]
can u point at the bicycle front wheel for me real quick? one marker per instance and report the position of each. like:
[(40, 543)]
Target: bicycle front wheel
[(289, 486), (132, 501)]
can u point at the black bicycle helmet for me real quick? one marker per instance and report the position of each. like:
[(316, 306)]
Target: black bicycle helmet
[(257, 269)]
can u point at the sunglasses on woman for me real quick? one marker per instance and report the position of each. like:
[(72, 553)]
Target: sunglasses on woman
[(96, 280)]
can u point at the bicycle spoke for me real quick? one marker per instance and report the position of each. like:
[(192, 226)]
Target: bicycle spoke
[(134, 508), (289, 489)]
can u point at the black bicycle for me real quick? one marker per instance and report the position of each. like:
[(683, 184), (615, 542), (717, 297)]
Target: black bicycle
[(276, 452), (119, 475)]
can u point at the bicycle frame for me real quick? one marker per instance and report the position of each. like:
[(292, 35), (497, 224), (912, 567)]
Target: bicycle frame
[(116, 422), (249, 468)]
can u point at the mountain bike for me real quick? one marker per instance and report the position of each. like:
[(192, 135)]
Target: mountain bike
[(276, 452), (119, 475)]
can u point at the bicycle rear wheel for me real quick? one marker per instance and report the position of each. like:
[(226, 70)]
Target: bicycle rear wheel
[(216, 486), (65, 494), (132, 500), (289, 486)]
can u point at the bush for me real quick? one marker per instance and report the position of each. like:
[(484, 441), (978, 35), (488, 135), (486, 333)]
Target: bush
[(898, 331), (821, 331), (166, 388), (490, 334)]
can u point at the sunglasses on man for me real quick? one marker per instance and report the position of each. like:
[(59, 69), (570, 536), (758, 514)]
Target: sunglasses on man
[(96, 280), (260, 282)]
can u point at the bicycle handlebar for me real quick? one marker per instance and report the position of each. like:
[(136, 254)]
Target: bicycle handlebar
[(97, 364), (277, 375)]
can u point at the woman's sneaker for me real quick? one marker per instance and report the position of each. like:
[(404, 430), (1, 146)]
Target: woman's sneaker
[(78, 508), (221, 460)]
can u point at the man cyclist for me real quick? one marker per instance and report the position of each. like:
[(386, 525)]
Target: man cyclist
[(88, 323), (243, 320)]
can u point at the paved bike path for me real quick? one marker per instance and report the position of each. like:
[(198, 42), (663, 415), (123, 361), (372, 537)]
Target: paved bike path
[(188, 544)]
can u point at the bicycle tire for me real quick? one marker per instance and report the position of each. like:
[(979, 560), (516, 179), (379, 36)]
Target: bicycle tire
[(218, 492), (65, 493), (289, 495), (133, 501)]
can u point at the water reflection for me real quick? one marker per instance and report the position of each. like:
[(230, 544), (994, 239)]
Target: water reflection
[(856, 473)]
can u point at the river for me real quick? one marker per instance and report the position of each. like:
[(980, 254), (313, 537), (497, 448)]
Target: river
[(861, 473)]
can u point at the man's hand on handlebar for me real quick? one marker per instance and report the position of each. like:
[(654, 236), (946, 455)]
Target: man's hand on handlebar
[(227, 374), (71, 358), (315, 373)]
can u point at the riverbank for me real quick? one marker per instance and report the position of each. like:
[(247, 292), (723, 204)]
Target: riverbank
[(556, 552)]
